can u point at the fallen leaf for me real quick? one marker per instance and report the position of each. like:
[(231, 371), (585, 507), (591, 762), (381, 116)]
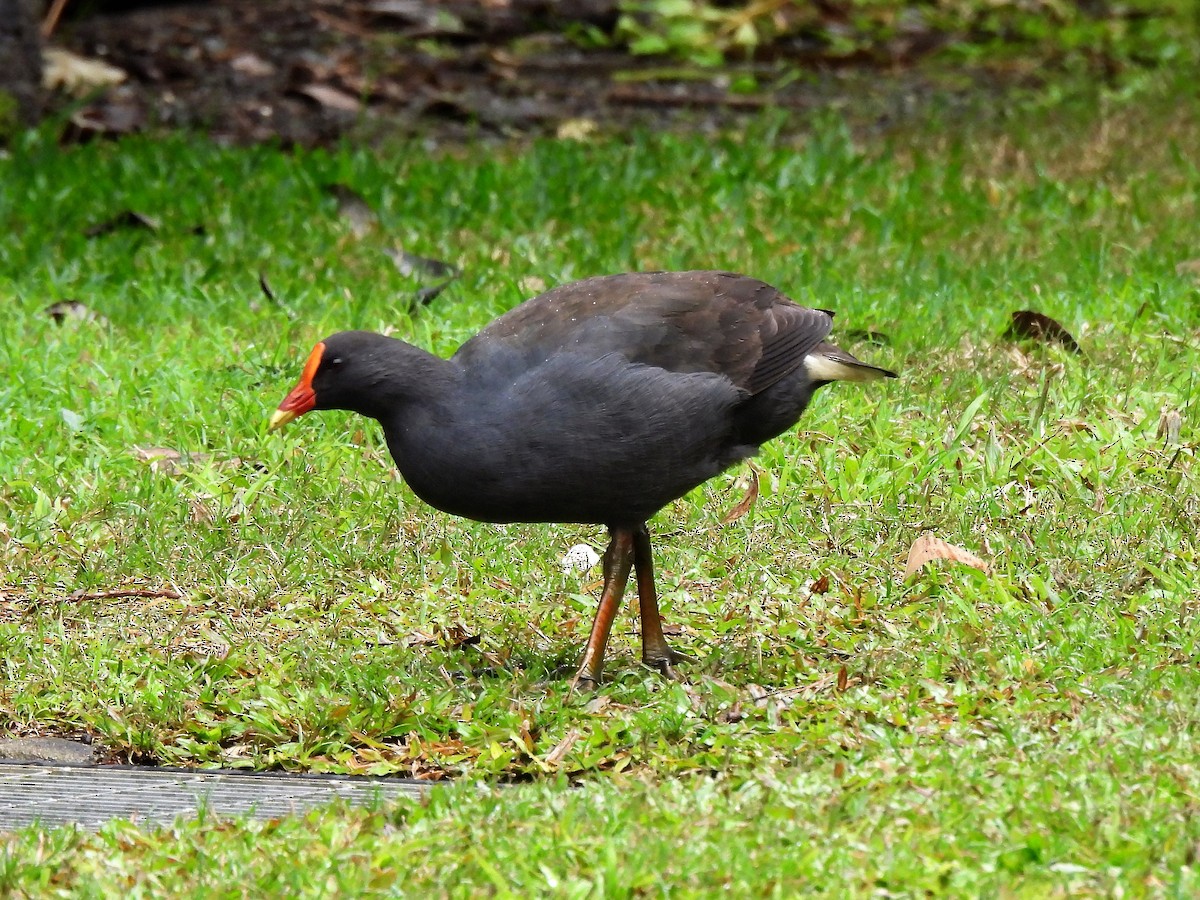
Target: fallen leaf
[(1031, 325), (747, 502), (353, 208), (411, 264), (65, 310), (562, 748), (927, 548), (843, 680), (426, 295), (1170, 424), (579, 558), (531, 284), (732, 714), (597, 705), (1188, 267), (161, 459), (820, 586), (125, 219), (171, 462), (109, 117), (265, 287), (251, 64), (449, 637), (77, 75), (330, 97), (576, 129)]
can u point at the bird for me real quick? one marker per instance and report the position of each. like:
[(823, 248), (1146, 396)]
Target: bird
[(597, 402)]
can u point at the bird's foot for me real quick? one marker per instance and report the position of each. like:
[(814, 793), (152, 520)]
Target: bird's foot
[(584, 681), (664, 662)]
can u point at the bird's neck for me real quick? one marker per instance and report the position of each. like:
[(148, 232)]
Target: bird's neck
[(405, 381)]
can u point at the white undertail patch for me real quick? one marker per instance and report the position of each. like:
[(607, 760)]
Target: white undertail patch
[(825, 368)]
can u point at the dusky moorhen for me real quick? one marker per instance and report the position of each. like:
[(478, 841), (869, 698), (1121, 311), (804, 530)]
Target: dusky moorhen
[(597, 402)]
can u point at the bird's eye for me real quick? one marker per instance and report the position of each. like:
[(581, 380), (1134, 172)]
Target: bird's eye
[(336, 361)]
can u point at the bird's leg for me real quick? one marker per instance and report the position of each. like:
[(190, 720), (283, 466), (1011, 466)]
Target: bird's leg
[(618, 560), (656, 652)]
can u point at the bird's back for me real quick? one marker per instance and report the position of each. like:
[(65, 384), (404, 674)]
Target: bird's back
[(701, 321)]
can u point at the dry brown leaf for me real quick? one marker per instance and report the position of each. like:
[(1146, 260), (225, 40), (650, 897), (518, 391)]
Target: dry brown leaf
[(531, 284), (597, 705), (1032, 325), (1188, 267), (126, 219), (577, 129), (161, 459), (73, 310), (732, 714), (74, 74), (353, 208), (746, 503), (927, 548), (252, 65), (449, 637), (562, 748), (1170, 424), (330, 97)]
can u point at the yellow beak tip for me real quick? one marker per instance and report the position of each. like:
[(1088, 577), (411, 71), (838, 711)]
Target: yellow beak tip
[(279, 418)]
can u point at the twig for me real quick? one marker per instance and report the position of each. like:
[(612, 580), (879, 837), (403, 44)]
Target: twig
[(52, 15), (126, 592)]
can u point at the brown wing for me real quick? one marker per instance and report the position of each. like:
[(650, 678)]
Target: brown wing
[(679, 321)]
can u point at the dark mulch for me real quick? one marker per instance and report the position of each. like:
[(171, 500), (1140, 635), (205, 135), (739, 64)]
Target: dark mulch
[(312, 72)]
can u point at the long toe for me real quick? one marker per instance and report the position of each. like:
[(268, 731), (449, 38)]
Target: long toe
[(585, 681), (664, 662)]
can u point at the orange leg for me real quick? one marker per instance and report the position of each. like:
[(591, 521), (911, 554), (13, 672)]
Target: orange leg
[(618, 560), (656, 652)]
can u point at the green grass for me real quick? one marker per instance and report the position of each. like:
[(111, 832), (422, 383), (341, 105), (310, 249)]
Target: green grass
[(1025, 732)]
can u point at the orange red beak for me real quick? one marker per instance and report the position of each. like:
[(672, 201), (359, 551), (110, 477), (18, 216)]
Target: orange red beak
[(302, 397)]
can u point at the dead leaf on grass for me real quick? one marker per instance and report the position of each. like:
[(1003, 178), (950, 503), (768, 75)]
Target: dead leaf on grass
[(748, 500), (449, 637), (353, 208), (128, 218), (75, 74), (1028, 324), (330, 97), (1188, 267), (579, 130), (1170, 425), (562, 748), (579, 558), (928, 548), (597, 705), (171, 462), (73, 310), (111, 116), (251, 65), (731, 714), (411, 265)]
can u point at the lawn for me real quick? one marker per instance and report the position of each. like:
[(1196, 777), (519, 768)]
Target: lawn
[(1026, 731)]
